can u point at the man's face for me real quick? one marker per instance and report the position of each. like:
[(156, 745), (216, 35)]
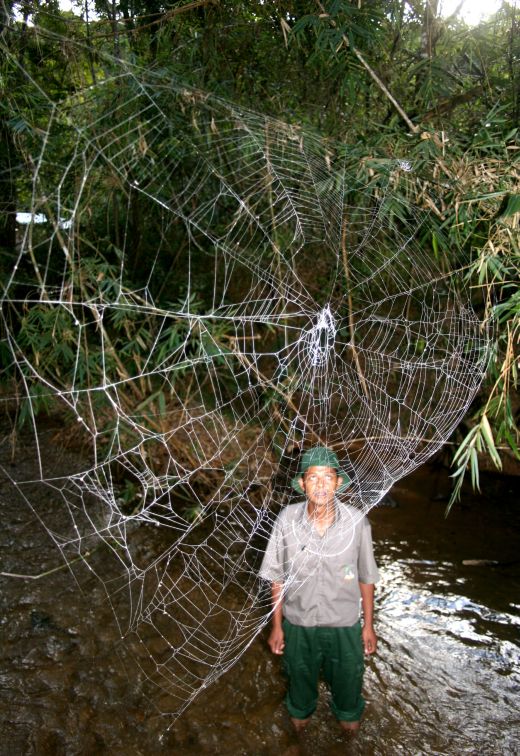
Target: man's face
[(320, 484)]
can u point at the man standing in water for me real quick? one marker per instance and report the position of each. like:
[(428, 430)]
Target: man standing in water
[(320, 563)]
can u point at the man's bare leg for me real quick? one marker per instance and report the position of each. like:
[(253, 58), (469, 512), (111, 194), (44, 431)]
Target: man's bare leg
[(300, 724), (349, 726)]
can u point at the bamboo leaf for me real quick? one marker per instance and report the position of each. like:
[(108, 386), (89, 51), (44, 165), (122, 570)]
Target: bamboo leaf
[(467, 440), (512, 207), (512, 443), (490, 443), (162, 403), (475, 482)]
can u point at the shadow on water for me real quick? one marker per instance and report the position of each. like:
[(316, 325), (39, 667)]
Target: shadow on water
[(445, 680)]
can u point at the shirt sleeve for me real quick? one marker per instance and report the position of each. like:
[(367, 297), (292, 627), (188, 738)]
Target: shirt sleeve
[(273, 563), (367, 567)]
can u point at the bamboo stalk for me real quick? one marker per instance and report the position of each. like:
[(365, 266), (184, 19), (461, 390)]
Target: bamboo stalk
[(351, 323)]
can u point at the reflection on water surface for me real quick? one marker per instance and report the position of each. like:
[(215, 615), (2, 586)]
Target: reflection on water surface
[(448, 672)]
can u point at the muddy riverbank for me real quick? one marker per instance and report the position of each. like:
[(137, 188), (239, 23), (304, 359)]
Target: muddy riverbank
[(446, 679)]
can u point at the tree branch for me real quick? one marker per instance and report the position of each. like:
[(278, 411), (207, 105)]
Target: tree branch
[(413, 128)]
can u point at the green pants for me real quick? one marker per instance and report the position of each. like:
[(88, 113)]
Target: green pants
[(335, 651)]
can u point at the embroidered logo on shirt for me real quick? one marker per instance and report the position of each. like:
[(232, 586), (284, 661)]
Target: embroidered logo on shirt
[(348, 573)]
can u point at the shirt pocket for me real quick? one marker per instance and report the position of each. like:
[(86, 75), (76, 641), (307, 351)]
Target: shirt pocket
[(303, 564)]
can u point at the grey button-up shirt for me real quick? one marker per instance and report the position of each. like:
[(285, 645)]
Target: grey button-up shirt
[(320, 574)]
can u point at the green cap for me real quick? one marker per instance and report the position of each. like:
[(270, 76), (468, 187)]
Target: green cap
[(320, 456)]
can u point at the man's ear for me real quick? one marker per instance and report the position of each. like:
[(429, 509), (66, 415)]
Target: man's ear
[(301, 484), (339, 482)]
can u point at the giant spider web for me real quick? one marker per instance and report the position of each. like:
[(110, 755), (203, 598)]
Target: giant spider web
[(212, 291)]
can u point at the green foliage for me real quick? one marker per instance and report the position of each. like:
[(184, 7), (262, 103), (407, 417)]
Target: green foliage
[(495, 272), (296, 59), (37, 400)]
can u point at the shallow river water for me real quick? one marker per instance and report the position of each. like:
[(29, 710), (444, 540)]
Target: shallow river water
[(445, 680)]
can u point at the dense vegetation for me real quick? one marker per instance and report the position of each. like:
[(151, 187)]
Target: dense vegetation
[(387, 77)]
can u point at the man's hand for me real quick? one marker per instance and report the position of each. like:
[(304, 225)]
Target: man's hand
[(369, 639), (276, 640), (367, 634)]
